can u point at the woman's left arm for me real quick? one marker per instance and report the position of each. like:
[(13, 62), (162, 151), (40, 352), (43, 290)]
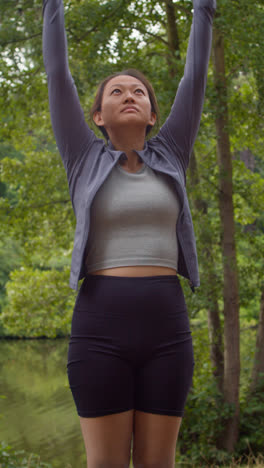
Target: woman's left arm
[(182, 125)]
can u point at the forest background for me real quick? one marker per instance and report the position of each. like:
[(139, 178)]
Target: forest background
[(225, 182)]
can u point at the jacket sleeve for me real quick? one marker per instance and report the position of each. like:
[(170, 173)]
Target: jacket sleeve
[(181, 127), (71, 132)]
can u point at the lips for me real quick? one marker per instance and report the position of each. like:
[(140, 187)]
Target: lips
[(130, 109)]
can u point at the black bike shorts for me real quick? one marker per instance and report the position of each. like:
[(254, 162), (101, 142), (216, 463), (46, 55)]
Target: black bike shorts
[(130, 346)]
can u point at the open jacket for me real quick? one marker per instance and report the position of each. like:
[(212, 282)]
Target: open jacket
[(88, 160)]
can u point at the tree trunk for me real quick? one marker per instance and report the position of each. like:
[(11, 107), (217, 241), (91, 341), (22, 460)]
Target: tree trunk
[(257, 379), (216, 354), (231, 296), (173, 38)]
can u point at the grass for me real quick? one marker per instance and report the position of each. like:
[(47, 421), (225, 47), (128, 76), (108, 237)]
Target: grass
[(251, 462), (13, 459)]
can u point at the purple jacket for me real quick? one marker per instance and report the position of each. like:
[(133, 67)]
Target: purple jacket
[(88, 160)]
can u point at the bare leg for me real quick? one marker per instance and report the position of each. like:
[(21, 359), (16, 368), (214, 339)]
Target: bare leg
[(155, 439), (108, 439)]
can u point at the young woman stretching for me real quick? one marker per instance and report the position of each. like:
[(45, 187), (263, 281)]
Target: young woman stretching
[(130, 359)]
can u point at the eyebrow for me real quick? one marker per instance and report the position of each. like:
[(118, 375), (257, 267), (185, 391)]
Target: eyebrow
[(134, 84)]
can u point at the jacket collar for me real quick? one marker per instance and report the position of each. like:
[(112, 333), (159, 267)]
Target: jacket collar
[(116, 154), (120, 154)]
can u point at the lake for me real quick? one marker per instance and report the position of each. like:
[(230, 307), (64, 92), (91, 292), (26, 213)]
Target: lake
[(38, 412)]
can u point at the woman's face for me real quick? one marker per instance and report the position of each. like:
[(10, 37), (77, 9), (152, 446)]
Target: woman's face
[(125, 102)]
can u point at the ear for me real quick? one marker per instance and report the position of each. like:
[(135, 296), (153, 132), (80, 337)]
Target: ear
[(153, 119), (97, 118)]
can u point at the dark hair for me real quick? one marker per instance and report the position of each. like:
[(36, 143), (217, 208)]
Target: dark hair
[(136, 74)]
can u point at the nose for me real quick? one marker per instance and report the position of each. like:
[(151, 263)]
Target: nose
[(128, 97)]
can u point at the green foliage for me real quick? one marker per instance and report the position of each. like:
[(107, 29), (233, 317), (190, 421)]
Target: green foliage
[(42, 214), (10, 458), (202, 425), (10, 249), (252, 414), (40, 303), (204, 412), (9, 259), (248, 194)]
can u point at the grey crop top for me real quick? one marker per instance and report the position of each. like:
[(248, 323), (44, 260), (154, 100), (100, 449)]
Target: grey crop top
[(133, 221)]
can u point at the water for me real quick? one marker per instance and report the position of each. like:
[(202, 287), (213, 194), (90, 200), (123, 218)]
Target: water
[(38, 413)]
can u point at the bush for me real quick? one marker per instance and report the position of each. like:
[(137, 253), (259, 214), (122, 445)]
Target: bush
[(10, 458), (202, 425), (251, 438), (39, 303)]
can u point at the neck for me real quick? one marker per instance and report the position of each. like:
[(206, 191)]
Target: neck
[(128, 142)]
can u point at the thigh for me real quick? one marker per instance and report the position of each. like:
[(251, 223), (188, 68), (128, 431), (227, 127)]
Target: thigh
[(154, 440), (101, 383), (100, 377), (108, 439), (163, 382)]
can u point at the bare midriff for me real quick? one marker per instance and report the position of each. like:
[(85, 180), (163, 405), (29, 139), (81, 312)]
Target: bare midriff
[(141, 270)]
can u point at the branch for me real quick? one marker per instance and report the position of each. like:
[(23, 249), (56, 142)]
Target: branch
[(48, 203), (12, 208), (22, 39), (143, 31), (211, 183), (97, 25), (181, 8)]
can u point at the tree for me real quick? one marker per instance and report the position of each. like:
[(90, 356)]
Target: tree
[(226, 207)]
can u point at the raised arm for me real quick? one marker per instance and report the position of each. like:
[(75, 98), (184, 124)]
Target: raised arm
[(182, 125), (71, 132)]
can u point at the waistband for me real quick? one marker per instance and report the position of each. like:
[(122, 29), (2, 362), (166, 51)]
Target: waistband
[(131, 278)]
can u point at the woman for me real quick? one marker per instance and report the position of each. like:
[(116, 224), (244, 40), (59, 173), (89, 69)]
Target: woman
[(130, 360)]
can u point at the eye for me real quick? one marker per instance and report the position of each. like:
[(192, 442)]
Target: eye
[(116, 91), (139, 91)]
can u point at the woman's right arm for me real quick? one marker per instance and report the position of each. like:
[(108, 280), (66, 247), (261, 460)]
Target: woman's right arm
[(72, 133)]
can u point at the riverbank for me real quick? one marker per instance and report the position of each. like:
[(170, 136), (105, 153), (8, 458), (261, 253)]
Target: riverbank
[(20, 459)]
